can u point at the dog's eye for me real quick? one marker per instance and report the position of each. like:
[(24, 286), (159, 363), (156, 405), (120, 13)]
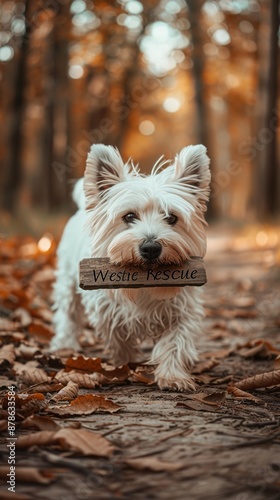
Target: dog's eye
[(171, 219), (130, 217)]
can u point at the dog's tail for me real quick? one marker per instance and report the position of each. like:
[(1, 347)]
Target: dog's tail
[(78, 194)]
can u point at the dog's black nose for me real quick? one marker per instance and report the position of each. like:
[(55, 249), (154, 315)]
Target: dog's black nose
[(150, 250)]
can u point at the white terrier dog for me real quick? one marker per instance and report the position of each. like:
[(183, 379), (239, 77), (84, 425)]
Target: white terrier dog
[(134, 219)]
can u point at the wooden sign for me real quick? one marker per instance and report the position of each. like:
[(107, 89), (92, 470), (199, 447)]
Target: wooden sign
[(99, 273)]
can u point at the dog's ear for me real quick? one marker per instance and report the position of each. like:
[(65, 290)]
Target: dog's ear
[(104, 168), (192, 169)]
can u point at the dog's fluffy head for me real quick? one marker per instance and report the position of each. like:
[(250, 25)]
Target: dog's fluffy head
[(159, 218)]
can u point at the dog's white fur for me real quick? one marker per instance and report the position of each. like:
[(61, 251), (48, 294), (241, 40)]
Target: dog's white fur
[(172, 317)]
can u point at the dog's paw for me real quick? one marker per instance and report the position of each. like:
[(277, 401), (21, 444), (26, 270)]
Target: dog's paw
[(175, 384), (64, 343)]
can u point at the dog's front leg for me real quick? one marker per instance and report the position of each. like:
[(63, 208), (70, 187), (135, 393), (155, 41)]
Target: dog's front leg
[(121, 347), (175, 353), (67, 317)]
